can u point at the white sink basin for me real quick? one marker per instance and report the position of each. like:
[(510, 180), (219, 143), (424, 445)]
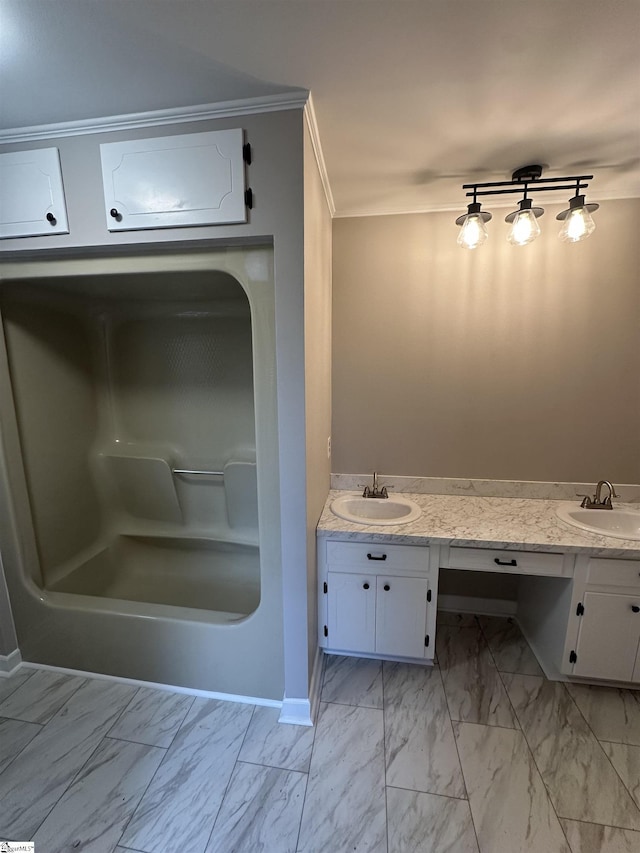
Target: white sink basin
[(619, 522), (392, 510)]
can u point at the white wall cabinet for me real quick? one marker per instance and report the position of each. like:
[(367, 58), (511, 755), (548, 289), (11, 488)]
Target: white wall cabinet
[(32, 194), (604, 632), (174, 181), (378, 601)]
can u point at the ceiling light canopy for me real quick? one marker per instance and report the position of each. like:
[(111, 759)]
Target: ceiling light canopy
[(577, 220)]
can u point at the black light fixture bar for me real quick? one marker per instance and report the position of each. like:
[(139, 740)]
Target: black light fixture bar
[(521, 185), (521, 181)]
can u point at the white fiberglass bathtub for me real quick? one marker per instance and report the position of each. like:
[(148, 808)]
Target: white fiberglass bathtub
[(138, 416)]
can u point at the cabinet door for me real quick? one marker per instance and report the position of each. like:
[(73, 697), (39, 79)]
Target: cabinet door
[(608, 636), (351, 612), (172, 181), (401, 616), (31, 194)]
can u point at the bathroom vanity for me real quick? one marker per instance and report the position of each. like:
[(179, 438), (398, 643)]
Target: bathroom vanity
[(579, 593)]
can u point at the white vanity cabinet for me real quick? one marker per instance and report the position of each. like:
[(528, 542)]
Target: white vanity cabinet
[(603, 640), (378, 600)]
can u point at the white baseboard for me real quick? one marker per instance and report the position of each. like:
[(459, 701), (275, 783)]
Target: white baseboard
[(10, 663), (296, 712), (480, 606), (189, 691), (303, 712)]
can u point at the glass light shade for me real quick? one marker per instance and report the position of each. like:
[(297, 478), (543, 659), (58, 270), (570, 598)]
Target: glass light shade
[(524, 229), (473, 232), (577, 225)]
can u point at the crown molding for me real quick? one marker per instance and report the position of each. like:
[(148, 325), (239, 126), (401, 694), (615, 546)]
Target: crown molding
[(176, 115), (314, 133)]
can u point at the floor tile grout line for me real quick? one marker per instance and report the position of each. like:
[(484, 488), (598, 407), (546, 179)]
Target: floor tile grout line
[(164, 757), (464, 780), (124, 711), (564, 817), (80, 769), (313, 747), (304, 799), (83, 680), (69, 786), (599, 742), (272, 766), (153, 775), (18, 754), (137, 742), (228, 785), (189, 705), (535, 763), (429, 793), (28, 678), (384, 665)]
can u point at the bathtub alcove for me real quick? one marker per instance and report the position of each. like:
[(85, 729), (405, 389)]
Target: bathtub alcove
[(139, 436)]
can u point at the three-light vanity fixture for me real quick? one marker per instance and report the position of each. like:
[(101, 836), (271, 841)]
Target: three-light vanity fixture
[(576, 220)]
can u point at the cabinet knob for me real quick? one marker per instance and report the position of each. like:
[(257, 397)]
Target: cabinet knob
[(51, 218), (365, 586), (635, 608), (387, 587), (114, 212)]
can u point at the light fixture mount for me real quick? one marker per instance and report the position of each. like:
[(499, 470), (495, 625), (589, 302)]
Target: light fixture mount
[(527, 173)]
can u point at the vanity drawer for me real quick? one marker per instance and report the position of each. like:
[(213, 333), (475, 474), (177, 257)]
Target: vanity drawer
[(606, 572), (368, 556), (509, 562)]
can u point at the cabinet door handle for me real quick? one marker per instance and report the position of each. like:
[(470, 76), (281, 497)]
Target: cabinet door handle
[(114, 212), (365, 586), (500, 562), (387, 587), (372, 557), (51, 218), (635, 608)]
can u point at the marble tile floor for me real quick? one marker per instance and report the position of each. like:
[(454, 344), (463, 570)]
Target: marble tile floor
[(480, 754)]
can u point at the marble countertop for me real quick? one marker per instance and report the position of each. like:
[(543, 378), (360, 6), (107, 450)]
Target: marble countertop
[(522, 524)]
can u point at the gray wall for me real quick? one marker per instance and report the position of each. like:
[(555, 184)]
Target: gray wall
[(317, 320), (505, 362)]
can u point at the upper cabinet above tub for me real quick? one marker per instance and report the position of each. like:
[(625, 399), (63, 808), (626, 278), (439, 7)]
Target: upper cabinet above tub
[(173, 181), (32, 199)]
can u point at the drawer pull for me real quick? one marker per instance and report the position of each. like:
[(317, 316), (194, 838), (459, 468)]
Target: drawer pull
[(500, 562), (387, 587), (635, 608), (365, 586), (371, 557)]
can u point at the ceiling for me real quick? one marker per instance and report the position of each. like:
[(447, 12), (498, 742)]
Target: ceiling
[(412, 97)]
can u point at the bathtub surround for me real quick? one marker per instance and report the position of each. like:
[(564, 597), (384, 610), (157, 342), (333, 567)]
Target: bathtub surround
[(155, 379)]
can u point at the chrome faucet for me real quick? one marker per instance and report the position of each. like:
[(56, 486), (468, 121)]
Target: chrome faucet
[(375, 492), (597, 502)]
